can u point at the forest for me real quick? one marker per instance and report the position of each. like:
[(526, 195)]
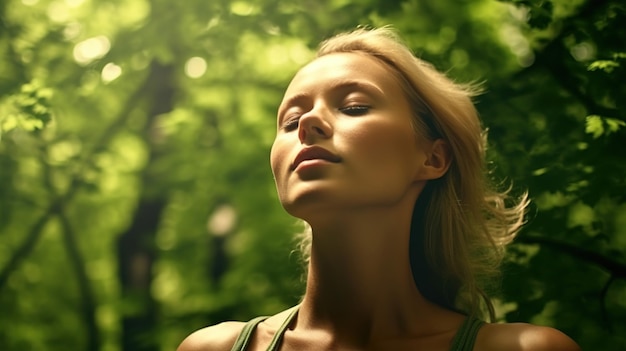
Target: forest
[(136, 199)]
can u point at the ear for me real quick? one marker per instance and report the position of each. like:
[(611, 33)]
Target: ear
[(438, 160)]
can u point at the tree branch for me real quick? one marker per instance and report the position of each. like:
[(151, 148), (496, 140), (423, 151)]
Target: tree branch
[(34, 233), (615, 267), (26, 246), (88, 301)]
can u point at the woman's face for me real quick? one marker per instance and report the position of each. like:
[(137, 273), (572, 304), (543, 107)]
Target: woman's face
[(345, 139)]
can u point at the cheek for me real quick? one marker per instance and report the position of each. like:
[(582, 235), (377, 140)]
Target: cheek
[(273, 161), (386, 145), (389, 160), (277, 158)]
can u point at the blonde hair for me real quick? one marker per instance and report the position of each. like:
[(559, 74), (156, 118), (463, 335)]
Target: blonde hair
[(460, 222)]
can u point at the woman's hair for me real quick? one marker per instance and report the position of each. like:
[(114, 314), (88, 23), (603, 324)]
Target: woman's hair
[(460, 223)]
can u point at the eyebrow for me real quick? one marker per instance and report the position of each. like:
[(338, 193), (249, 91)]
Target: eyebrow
[(344, 84), (358, 84)]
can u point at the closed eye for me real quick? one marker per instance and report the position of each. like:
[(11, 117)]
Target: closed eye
[(291, 124), (357, 110)]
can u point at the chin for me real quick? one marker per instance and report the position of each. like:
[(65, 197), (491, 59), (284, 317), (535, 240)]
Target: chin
[(309, 205)]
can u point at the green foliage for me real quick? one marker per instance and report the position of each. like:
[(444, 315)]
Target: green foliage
[(28, 110), (563, 139), (540, 12), (138, 205), (598, 126)]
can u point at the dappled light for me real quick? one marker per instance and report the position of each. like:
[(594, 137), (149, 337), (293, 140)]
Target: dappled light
[(222, 221), (91, 49), (137, 202), (583, 51), (111, 72), (195, 67)]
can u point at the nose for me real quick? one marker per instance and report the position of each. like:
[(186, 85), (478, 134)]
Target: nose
[(313, 126)]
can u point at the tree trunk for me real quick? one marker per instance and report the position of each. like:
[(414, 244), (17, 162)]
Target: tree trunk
[(136, 246)]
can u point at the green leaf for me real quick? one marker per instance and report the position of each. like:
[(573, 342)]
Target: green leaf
[(598, 126), (28, 110), (594, 126), (614, 124), (605, 65)]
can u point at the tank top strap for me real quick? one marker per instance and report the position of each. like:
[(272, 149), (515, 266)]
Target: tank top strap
[(246, 334), (278, 337), (466, 335), (463, 340)]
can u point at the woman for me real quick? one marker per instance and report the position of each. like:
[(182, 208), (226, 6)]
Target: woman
[(384, 158)]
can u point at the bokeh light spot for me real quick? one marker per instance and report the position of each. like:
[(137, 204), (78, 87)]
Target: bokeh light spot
[(110, 72), (243, 8), (222, 221), (195, 67), (91, 49), (58, 12)]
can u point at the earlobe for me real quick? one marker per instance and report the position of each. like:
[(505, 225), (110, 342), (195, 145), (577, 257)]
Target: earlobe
[(438, 160)]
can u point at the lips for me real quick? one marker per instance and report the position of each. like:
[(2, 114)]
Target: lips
[(314, 153)]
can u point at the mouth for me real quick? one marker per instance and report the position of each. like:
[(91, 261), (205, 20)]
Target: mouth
[(314, 153)]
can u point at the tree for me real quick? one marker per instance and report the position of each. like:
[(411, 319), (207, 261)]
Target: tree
[(568, 267), (137, 202)]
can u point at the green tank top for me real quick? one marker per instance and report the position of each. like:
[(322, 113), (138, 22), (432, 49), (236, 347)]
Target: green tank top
[(463, 340)]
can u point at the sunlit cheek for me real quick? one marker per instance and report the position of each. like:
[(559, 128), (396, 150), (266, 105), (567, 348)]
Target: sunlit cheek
[(274, 167), (276, 160)]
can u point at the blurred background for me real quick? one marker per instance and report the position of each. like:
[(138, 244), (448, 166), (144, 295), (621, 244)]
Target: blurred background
[(136, 198)]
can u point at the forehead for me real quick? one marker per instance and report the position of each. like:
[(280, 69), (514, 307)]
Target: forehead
[(340, 68)]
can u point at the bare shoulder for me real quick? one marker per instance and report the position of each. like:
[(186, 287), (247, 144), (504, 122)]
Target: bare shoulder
[(523, 337), (222, 337), (219, 337)]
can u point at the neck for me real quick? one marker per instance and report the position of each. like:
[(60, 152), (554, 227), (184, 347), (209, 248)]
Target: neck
[(360, 287)]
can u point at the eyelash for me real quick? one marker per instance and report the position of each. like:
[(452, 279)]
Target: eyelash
[(291, 124), (357, 110)]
